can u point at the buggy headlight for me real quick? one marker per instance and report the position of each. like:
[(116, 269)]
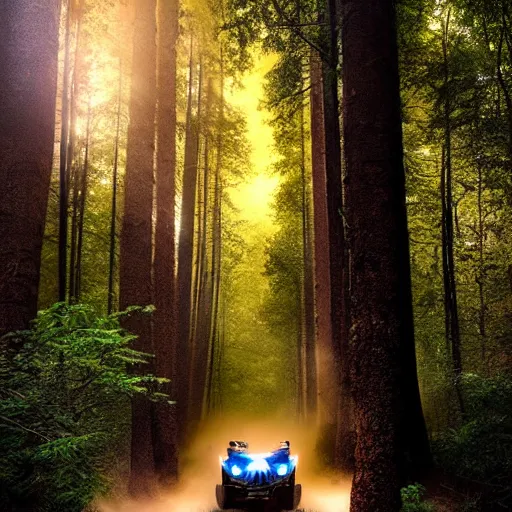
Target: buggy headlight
[(282, 469), (236, 471)]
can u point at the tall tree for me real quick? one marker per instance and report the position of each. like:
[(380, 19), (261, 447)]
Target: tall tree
[(136, 234), (308, 303), (382, 337), (63, 174), (216, 263), (73, 164), (186, 239), (200, 342), (28, 59), (82, 188), (327, 378), (165, 332), (113, 214), (340, 304), (450, 290)]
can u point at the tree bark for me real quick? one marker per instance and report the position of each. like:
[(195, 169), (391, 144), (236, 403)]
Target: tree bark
[(82, 198), (72, 166), (70, 151), (199, 216), (165, 330), (337, 246), (300, 374), (216, 264), (63, 174), (382, 338), (113, 218), (327, 382), (502, 82), (28, 81), (186, 249), (449, 262), (136, 234), (200, 342), (75, 181), (480, 274), (308, 305)]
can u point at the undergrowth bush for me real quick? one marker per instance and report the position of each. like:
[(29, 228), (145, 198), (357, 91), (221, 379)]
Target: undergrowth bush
[(480, 450), (412, 499), (65, 391)]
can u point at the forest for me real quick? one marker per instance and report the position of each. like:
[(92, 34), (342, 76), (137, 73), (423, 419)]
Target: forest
[(236, 219)]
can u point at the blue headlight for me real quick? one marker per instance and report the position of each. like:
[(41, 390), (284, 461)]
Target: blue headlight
[(282, 469), (236, 471)]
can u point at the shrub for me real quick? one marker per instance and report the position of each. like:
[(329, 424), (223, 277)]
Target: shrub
[(479, 451), (412, 499), (64, 407)]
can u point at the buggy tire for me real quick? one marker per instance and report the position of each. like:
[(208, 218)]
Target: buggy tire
[(297, 495), (289, 498), (222, 497)]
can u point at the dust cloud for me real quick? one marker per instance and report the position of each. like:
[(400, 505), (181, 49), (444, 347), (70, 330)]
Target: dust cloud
[(201, 472)]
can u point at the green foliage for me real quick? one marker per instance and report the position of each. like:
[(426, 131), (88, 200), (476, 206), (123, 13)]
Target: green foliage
[(64, 407), (480, 162), (480, 450), (253, 358), (412, 499)]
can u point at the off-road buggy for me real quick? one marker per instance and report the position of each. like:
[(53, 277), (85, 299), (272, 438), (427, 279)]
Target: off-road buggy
[(249, 479)]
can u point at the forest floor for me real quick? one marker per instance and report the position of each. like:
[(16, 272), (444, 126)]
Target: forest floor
[(196, 492), (320, 492), (450, 495)]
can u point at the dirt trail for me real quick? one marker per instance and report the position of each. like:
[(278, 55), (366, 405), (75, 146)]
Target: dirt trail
[(196, 493)]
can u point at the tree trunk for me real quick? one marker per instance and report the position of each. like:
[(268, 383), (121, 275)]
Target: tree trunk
[(70, 151), (28, 81), (82, 198), (216, 243), (113, 218), (202, 353), (75, 182), (502, 82), (300, 373), (308, 286), (199, 222), (480, 275), (200, 343), (449, 264), (165, 331), (135, 283), (186, 249), (72, 166), (63, 174), (327, 382), (337, 250), (382, 337)]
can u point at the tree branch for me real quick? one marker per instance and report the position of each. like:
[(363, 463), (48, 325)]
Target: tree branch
[(297, 25), (294, 95), (295, 28), (20, 426)]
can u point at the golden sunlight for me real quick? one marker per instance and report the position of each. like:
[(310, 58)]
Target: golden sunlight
[(254, 197)]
